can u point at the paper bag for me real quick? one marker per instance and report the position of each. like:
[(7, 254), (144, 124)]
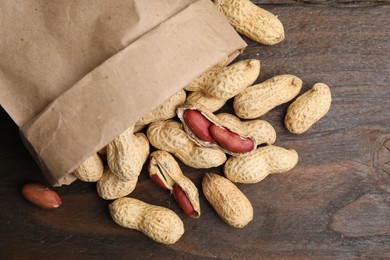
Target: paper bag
[(75, 74)]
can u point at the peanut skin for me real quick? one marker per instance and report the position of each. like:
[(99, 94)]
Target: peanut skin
[(91, 170), (169, 136), (308, 109), (257, 100), (259, 164), (41, 196), (231, 141), (227, 200), (183, 201), (198, 124), (158, 223), (252, 21)]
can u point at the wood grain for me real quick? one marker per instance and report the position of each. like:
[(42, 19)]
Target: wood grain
[(333, 205)]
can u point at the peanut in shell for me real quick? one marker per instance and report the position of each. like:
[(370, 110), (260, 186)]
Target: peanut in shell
[(308, 108), (252, 21), (259, 164), (227, 200), (258, 99)]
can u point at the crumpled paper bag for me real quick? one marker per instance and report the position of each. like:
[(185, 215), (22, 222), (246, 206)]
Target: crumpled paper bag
[(75, 74)]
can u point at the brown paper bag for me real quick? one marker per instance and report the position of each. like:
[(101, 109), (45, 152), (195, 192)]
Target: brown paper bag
[(75, 74)]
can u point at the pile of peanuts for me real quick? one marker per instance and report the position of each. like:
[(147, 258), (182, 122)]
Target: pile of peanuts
[(186, 127)]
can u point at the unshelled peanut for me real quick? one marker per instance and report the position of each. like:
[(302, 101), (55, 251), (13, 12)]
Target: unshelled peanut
[(227, 200), (259, 164), (110, 187), (308, 109), (166, 172), (252, 21), (91, 170), (165, 111), (159, 223), (41, 196), (212, 104), (226, 82), (204, 128), (126, 154), (258, 99), (169, 136)]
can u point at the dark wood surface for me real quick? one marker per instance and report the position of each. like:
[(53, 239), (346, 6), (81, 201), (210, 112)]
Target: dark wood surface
[(335, 204)]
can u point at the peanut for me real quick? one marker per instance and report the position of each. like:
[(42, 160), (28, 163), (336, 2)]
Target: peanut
[(198, 124), (259, 164), (203, 78), (212, 104), (227, 200), (91, 170), (166, 172), (169, 136), (158, 223), (261, 130), (308, 109), (204, 128), (252, 21), (257, 100), (41, 196), (183, 201), (231, 141), (110, 187), (126, 154), (164, 111), (226, 82)]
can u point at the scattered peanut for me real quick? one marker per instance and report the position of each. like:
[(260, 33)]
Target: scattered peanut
[(91, 170), (227, 200), (226, 82), (308, 109), (257, 100), (164, 111), (169, 136), (41, 196), (252, 21), (159, 223), (166, 172), (126, 154), (204, 128), (259, 164), (110, 187)]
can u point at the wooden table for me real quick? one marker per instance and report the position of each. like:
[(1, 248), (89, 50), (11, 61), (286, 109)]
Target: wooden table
[(334, 204)]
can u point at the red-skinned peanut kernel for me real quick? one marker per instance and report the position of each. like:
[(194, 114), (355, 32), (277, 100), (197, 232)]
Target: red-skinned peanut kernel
[(183, 201), (231, 141), (198, 124), (158, 181), (41, 196)]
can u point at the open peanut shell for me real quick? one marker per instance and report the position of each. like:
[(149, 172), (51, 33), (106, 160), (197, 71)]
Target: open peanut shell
[(165, 171), (207, 130)]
